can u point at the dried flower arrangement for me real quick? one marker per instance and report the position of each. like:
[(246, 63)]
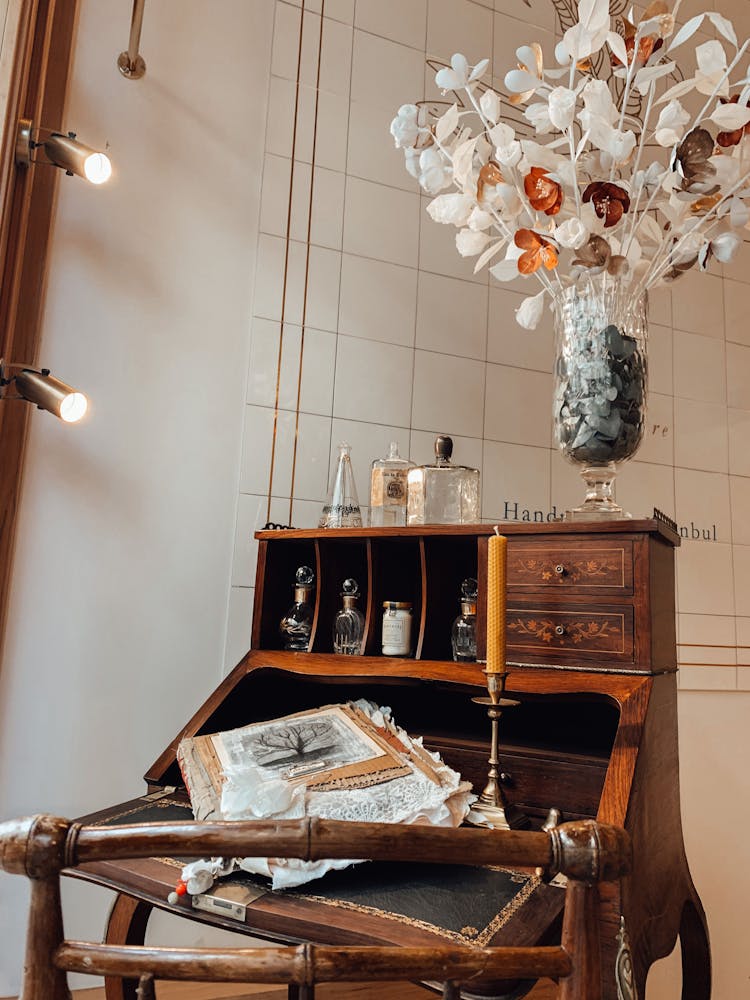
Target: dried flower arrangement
[(580, 198)]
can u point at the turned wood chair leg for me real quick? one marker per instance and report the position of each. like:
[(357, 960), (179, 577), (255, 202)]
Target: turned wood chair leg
[(580, 938), (127, 924), (296, 992), (696, 952), (146, 990), (42, 981)]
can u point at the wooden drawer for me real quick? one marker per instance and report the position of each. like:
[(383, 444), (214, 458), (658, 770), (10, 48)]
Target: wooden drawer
[(585, 633), (576, 567)]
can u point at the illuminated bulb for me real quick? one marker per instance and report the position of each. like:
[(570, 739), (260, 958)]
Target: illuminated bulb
[(73, 156), (74, 406), (97, 168), (50, 393)]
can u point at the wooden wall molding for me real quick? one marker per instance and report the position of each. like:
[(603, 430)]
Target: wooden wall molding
[(34, 70)]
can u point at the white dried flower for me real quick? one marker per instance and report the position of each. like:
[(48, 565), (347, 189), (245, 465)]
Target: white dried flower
[(712, 64), (599, 111), (724, 246), (479, 219), (460, 74), (562, 107), (538, 115), (489, 102), (619, 145), (571, 234), (451, 208), (435, 172), (470, 243), (670, 127), (530, 311), (411, 161), (405, 126)]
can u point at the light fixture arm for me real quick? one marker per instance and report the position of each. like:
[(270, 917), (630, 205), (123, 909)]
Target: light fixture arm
[(131, 63)]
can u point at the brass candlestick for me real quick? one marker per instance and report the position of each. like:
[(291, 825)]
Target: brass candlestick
[(500, 814)]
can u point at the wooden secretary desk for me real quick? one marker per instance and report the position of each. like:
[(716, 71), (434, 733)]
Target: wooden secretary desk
[(592, 660)]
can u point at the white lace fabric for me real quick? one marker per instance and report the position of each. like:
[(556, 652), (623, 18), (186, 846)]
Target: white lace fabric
[(413, 798)]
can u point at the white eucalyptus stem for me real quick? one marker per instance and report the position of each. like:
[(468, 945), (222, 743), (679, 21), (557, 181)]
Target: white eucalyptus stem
[(641, 144), (644, 127), (636, 216), (577, 193), (646, 210), (626, 93), (478, 109)]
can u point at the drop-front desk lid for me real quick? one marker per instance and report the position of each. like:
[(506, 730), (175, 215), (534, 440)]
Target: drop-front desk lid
[(371, 903)]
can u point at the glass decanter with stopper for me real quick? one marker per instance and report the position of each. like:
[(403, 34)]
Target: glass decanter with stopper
[(464, 630), (349, 624), (296, 625), (388, 489), (443, 493)]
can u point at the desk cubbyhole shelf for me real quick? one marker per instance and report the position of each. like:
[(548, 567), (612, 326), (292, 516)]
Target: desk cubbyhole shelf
[(425, 570), (397, 575), (448, 561), (338, 560)]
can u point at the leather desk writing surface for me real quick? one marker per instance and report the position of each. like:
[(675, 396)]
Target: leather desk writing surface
[(376, 903)]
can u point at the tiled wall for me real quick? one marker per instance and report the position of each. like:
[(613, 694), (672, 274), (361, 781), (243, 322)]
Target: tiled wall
[(402, 341)]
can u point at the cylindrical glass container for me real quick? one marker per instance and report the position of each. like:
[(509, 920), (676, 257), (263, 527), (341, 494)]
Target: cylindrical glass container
[(599, 405), (396, 628)]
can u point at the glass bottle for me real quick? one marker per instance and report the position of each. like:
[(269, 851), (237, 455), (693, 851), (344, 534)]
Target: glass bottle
[(388, 489), (349, 624), (296, 625), (464, 630), (443, 493), (341, 509)]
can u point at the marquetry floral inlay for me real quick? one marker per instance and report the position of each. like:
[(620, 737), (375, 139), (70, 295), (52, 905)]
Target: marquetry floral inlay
[(574, 570), (577, 632)]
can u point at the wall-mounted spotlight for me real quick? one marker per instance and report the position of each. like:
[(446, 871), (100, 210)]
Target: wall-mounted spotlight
[(64, 151), (44, 390)]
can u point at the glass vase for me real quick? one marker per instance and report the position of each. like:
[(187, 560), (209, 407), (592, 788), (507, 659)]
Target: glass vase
[(600, 372)]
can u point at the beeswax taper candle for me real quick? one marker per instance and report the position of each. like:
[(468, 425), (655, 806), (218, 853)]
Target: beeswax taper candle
[(497, 554)]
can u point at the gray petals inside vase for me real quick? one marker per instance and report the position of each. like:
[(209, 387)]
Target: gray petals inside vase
[(599, 405)]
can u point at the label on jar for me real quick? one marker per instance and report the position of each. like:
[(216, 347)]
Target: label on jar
[(397, 632), (388, 488)]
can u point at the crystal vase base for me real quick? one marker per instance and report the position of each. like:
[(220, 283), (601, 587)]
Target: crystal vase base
[(599, 504)]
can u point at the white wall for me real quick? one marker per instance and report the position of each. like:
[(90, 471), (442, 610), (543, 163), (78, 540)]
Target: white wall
[(117, 619)]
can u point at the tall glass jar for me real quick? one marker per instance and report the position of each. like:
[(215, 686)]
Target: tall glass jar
[(599, 405)]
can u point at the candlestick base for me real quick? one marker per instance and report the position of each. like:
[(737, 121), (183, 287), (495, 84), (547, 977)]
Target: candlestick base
[(492, 804), (502, 817)]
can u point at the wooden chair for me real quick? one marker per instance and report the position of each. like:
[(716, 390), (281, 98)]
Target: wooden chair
[(586, 852)]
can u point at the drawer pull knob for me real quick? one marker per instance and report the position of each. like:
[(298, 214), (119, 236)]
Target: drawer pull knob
[(560, 569), (559, 630)]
